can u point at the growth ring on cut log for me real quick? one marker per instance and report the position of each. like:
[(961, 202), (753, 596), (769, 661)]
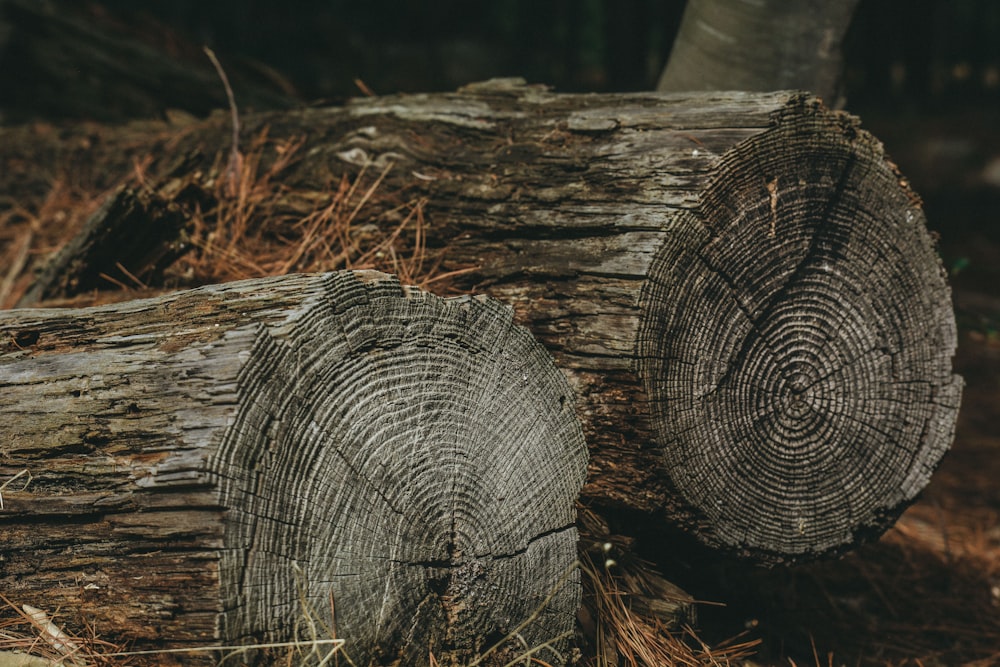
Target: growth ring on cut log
[(419, 457), (208, 460), (796, 345)]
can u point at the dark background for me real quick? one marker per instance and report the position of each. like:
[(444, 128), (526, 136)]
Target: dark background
[(922, 53), (924, 75)]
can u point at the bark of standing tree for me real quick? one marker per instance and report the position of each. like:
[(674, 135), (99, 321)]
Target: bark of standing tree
[(59, 61), (769, 45), (740, 288), (201, 465)]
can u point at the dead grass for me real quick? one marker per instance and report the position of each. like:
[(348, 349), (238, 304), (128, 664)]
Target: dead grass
[(36, 641), (633, 617), (31, 232), (30, 638), (244, 221), (628, 638), (926, 594), (255, 226)]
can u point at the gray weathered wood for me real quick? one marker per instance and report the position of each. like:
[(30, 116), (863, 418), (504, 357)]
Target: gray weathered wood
[(765, 45), (740, 288), (197, 459)]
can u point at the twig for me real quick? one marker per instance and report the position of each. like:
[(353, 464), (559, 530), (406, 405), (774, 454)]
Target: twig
[(235, 159), (50, 632), (4, 485), (363, 87), (131, 276)]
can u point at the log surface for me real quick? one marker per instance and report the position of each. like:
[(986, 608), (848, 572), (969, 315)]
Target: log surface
[(204, 464), (740, 288)]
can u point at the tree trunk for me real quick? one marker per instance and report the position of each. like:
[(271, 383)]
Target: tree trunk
[(202, 466), (769, 45), (740, 288)]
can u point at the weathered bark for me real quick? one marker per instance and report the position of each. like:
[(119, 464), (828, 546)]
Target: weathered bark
[(739, 286), (204, 463), (136, 226), (769, 45)]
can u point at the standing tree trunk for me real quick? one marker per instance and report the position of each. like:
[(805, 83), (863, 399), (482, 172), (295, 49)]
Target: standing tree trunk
[(740, 287), (767, 45), (204, 464)]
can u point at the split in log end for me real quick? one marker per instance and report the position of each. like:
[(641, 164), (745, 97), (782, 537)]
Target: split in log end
[(796, 344), (411, 461)]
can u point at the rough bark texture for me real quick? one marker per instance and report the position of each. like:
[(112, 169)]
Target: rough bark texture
[(134, 225), (203, 464), (768, 45), (740, 288)]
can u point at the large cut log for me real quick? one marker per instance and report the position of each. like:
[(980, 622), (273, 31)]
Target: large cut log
[(740, 287), (219, 465)]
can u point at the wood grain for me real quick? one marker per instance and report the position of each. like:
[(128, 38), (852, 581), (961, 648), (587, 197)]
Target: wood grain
[(204, 464)]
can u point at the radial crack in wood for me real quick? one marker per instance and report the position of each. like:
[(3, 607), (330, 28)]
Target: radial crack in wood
[(205, 464), (796, 346)]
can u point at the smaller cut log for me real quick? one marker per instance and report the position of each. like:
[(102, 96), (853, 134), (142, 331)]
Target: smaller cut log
[(204, 464)]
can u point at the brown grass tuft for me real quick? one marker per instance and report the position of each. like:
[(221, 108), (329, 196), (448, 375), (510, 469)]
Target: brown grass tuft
[(244, 221), (256, 226), (623, 636), (633, 617), (30, 233)]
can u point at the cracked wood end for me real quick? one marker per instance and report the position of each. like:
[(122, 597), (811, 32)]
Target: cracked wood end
[(796, 345), (206, 462)]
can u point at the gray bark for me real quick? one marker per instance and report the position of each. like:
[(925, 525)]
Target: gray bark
[(204, 464), (767, 45), (740, 288)]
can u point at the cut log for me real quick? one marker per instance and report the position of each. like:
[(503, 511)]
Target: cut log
[(217, 465), (740, 287)]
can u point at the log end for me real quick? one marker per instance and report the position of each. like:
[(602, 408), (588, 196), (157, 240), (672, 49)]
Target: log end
[(410, 462), (796, 344)]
